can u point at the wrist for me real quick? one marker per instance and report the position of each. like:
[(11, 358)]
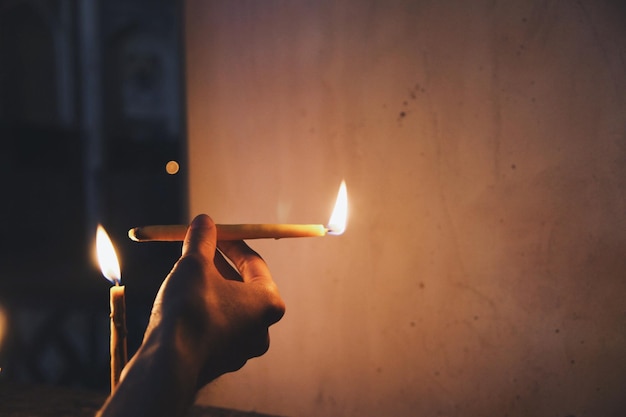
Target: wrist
[(193, 344), (160, 379), (172, 344)]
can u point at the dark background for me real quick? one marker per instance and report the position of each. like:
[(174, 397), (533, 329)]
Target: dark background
[(90, 113)]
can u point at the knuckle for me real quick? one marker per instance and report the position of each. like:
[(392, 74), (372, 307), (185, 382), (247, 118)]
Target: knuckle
[(274, 307)]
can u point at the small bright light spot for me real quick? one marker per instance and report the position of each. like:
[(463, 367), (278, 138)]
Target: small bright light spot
[(172, 167)]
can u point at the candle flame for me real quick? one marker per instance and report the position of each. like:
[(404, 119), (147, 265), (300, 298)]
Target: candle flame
[(337, 223), (107, 258)]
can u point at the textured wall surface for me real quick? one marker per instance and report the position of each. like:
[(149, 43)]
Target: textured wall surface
[(484, 148)]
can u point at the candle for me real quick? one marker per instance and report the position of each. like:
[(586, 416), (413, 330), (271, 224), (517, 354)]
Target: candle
[(110, 268), (176, 232), (119, 355), (336, 226)]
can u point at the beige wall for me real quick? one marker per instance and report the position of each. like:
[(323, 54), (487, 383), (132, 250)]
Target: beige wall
[(484, 148)]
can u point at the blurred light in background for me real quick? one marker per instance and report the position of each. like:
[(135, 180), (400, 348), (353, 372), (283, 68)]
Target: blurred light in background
[(172, 167), (4, 324)]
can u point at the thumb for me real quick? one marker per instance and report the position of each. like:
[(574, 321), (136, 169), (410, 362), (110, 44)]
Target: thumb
[(201, 237)]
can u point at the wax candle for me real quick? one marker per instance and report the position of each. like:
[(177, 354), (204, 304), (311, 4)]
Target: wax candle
[(110, 267), (176, 232), (119, 354)]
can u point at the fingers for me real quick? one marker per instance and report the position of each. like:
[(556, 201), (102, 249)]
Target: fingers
[(225, 268), (252, 268), (250, 265), (201, 237)]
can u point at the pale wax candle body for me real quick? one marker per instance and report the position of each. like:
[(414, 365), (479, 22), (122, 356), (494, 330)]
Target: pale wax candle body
[(177, 232), (118, 333)]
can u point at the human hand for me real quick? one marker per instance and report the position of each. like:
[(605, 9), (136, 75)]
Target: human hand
[(208, 318), (217, 313)]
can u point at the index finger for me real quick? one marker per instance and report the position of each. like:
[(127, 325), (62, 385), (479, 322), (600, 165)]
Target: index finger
[(250, 265), (201, 237)]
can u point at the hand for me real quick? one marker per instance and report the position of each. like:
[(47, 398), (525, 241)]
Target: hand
[(208, 318), (220, 312)]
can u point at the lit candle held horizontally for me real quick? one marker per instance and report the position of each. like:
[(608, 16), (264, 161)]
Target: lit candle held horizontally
[(110, 268), (336, 226)]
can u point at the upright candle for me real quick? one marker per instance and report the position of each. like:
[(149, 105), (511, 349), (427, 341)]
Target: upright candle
[(110, 267), (118, 333)]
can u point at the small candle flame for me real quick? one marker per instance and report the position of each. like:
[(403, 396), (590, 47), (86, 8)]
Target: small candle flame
[(337, 223), (107, 258)]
